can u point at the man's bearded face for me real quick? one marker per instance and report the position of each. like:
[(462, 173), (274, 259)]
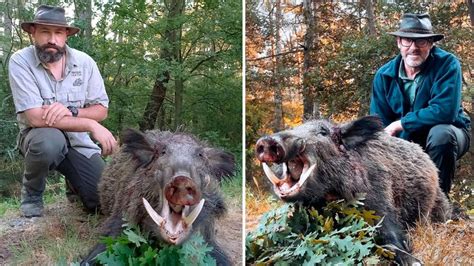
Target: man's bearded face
[(49, 53)]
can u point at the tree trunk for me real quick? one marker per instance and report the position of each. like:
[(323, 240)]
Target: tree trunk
[(161, 119), (83, 14), (364, 100), (278, 96), (171, 37), (308, 90), (178, 101), (311, 103), (470, 7), (6, 46), (178, 9), (20, 13), (370, 17), (155, 102)]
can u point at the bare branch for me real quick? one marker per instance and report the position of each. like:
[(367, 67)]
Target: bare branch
[(277, 55)]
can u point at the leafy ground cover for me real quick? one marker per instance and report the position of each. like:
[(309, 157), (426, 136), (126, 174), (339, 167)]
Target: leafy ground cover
[(340, 233), (133, 247), (451, 243)]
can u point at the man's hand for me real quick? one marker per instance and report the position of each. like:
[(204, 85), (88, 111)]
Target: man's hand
[(394, 128), (105, 138), (54, 112)]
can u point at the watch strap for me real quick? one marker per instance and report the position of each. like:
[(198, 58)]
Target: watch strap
[(74, 111)]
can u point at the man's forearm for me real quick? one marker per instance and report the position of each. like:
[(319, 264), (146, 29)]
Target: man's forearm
[(96, 112), (66, 123), (75, 124)]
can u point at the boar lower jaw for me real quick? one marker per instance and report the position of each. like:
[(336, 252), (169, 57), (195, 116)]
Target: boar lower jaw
[(285, 186), (174, 226)]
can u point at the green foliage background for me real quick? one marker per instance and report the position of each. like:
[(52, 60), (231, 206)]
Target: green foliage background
[(126, 41)]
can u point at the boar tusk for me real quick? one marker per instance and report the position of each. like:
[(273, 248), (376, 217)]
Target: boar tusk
[(165, 211), (285, 171), (153, 214), (271, 176), (194, 214), (304, 176), (185, 210), (207, 180)]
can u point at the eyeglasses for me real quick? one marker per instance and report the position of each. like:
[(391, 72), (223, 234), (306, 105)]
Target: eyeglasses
[(406, 42)]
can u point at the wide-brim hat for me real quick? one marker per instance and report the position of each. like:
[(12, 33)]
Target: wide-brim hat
[(50, 16), (416, 26)]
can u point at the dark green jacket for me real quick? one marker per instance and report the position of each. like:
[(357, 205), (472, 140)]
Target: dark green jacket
[(437, 99)]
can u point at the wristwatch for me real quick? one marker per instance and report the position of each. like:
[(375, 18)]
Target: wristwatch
[(74, 110)]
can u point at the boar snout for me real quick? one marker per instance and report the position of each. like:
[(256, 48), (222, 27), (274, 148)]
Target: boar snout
[(182, 191), (269, 150)]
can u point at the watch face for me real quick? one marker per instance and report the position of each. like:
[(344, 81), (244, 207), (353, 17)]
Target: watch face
[(73, 110)]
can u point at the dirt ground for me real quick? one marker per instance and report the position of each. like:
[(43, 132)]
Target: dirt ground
[(229, 235), (61, 217)]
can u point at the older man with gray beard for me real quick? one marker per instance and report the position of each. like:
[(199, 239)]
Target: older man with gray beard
[(60, 99), (418, 96)]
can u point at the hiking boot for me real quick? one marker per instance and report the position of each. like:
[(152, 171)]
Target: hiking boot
[(31, 203), (32, 209)]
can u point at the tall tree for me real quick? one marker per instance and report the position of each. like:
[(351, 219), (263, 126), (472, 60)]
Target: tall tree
[(169, 52), (277, 68), (365, 92), (83, 19), (470, 6), (310, 102), (178, 9)]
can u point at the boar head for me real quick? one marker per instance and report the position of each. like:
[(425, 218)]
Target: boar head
[(309, 159), (178, 173)]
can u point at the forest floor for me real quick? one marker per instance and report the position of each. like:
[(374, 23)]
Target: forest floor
[(65, 233)]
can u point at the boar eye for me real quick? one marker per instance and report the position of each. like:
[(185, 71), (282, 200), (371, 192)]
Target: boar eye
[(200, 154), (324, 132), (163, 152)]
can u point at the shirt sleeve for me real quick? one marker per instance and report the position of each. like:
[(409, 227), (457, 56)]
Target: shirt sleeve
[(25, 91), (96, 93)]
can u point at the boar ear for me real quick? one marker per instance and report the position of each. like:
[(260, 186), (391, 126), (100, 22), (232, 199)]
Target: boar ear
[(135, 143), (360, 131), (222, 163)]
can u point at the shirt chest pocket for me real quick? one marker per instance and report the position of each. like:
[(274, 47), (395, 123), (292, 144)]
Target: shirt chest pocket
[(76, 99)]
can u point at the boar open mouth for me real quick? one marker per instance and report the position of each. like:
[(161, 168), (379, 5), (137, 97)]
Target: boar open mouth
[(175, 221), (295, 173), (182, 204)]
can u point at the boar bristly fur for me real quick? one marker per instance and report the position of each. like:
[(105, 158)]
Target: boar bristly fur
[(399, 180), (146, 166)]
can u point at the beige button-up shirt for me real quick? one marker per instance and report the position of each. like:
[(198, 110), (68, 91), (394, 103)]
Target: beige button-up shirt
[(33, 86)]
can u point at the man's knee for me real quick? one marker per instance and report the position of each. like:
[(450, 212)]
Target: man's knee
[(46, 144), (441, 136)]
